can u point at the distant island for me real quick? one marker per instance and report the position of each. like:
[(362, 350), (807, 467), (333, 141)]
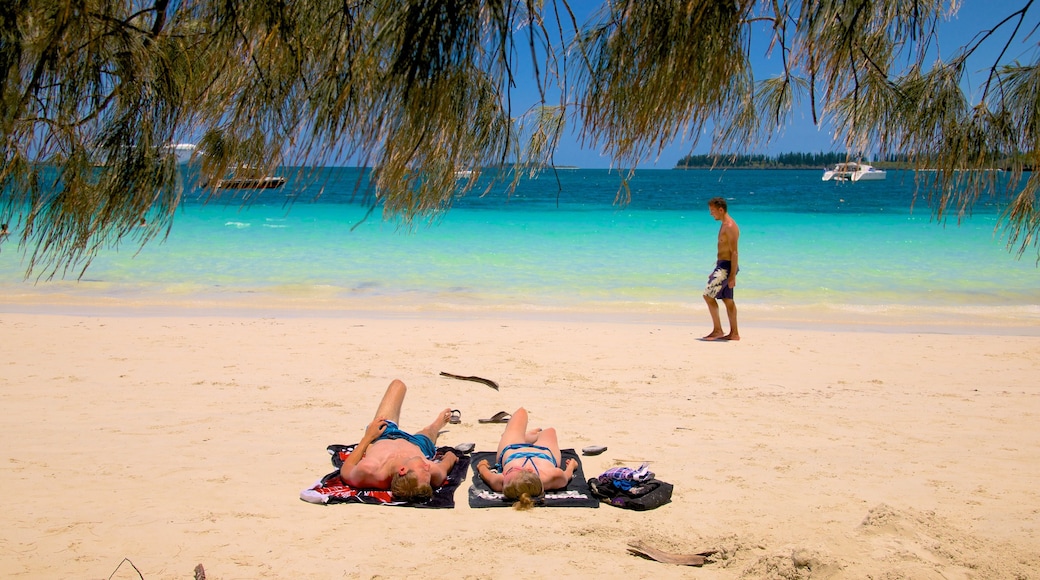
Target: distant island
[(782, 161), (808, 161)]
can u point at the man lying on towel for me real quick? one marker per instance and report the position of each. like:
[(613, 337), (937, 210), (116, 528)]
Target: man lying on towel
[(388, 458)]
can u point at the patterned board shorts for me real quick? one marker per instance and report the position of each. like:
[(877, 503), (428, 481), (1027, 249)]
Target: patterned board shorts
[(717, 286)]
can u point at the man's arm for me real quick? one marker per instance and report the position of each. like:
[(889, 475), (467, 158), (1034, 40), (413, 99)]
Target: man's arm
[(347, 471), (733, 237), (439, 470)]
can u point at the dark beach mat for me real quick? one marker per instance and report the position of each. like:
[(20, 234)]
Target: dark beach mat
[(576, 494)]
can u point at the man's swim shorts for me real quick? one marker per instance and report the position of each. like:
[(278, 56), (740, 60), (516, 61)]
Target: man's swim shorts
[(421, 441), (717, 282)]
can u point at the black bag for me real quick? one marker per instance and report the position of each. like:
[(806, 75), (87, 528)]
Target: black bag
[(643, 496)]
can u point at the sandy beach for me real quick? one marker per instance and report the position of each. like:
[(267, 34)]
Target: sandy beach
[(178, 439)]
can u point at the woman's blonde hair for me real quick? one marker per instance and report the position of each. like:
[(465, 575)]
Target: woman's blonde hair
[(407, 488), (524, 488)]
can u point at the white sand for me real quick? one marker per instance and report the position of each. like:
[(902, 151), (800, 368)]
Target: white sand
[(185, 439)]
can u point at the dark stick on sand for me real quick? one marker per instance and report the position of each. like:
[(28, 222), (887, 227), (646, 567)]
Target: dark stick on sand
[(487, 382)]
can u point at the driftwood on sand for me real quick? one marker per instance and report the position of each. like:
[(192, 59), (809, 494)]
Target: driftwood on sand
[(487, 382), (639, 548)]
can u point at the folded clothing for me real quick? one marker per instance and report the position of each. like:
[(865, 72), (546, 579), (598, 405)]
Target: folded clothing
[(625, 477)]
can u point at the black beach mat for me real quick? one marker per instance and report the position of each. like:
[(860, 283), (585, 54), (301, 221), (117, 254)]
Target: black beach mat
[(576, 494)]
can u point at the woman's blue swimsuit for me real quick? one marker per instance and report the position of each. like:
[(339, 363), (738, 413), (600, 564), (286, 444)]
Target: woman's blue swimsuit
[(527, 456), (421, 441)]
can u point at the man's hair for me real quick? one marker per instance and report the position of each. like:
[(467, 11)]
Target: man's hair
[(526, 486), (407, 488), (718, 202)]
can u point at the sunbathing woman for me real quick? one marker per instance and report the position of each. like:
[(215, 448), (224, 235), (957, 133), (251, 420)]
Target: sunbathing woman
[(528, 463), (391, 459)]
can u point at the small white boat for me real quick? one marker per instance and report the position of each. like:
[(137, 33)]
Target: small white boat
[(853, 172), (183, 151)]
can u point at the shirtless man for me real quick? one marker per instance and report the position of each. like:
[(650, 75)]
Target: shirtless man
[(724, 278), (389, 458)]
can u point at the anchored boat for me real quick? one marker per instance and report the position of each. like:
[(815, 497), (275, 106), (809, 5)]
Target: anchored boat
[(854, 172)]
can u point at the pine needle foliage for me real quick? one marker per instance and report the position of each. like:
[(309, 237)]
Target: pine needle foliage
[(94, 92)]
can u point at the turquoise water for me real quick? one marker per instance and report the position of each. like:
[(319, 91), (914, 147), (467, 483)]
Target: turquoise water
[(565, 245)]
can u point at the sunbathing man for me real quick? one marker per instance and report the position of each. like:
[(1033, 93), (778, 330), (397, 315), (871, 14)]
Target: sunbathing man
[(388, 458), (528, 463)]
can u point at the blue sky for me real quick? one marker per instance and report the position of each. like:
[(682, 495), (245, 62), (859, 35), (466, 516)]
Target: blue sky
[(801, 134)]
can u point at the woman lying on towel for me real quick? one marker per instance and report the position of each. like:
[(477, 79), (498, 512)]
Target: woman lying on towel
[(388, 458), (528, 463)]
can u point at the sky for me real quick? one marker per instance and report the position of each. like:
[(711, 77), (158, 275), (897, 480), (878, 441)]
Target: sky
[(801, 135)]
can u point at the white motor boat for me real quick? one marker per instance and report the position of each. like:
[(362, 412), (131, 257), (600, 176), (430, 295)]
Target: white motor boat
[(853, 172), (183, 151)]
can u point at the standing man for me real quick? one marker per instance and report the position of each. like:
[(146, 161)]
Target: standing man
[(724, 278)]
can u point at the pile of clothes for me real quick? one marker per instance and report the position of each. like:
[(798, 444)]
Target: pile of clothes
[(637, 489), (625, 478)]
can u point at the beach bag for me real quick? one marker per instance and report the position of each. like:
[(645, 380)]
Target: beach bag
[(643, 496)]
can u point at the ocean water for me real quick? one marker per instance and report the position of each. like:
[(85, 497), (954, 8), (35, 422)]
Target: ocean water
[(561, 243)]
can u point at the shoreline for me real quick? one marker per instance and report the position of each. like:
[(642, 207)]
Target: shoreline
[(1018, 320)]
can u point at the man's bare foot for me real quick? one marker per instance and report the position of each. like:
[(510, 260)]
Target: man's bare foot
[(441, 421), (731, 336), (715, 335)]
